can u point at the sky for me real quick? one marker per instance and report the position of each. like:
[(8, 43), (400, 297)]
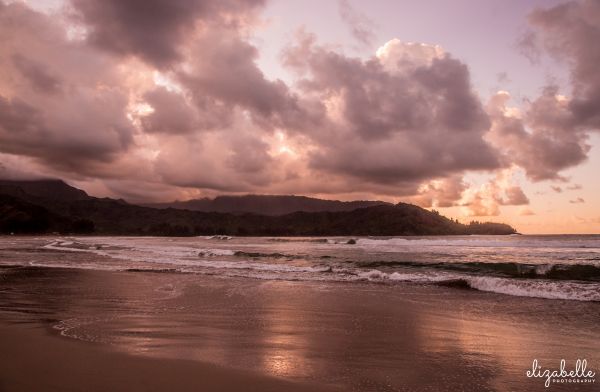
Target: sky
[(484, 110)]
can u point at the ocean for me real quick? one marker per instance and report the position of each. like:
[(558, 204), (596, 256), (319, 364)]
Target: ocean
[(353, 314), (554, 267)]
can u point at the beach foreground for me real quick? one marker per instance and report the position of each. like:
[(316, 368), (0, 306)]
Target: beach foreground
[(33, 360), (68, 329)]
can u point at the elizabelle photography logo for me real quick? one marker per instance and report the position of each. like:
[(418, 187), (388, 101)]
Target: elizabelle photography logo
[(579, 375)]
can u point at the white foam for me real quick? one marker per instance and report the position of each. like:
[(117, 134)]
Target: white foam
[(216, 252), (221, 237), (537, 288), (415, 277), (64, 246), (222, 264), (483, 241), (516, 287), (77, 265), (543, 269)]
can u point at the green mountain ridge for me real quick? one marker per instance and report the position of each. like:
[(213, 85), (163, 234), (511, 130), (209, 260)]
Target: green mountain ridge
[(54, 206)]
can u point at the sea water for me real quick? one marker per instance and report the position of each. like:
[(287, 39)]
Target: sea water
[(564, 267)]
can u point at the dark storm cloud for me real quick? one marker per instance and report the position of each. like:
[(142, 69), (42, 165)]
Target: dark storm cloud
[(154, 30), (39, 77), (224, 80), (405, 122), (393, 121), (25, 130), (571, 32), (543, 141), (551, 134), (223, 67), (56, 105), (249, 155), (171, 113)]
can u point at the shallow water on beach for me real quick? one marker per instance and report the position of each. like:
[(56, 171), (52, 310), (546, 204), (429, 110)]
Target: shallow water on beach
[(314, 310)]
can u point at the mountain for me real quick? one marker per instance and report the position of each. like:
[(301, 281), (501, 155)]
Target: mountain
[(48, 189), (266, 204), (57, 207), (19, 216)]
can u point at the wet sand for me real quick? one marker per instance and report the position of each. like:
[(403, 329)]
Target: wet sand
[(65, 329), (34, 360)]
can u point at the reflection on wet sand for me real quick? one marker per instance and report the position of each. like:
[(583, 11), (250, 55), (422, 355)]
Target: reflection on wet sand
[(514, 343)]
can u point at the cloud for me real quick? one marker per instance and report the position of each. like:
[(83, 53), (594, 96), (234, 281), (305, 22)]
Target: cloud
[(542, 140), (440, 193), (167, 98), (514, 196), (551, 134), (526, 212), (170, 113), (226, 162), (16, 167), (222, 73), (360, 26), (502, 78), (490, 196), (396, 54), (578, 200), (573, 187), (155, 30), (393, 122), (570, 33), (39, 77), (60, 103)]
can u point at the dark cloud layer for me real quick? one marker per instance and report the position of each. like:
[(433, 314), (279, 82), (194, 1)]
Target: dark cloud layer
[(170, 113), (154, 30), (571, 31), (39, 77), (390, 121), (557, 139), (161, 95), (543, 141), (51, 106), (550, 133), (223, 68)]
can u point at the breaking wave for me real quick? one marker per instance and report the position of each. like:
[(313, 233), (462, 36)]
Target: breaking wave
[(522, 288), (485, 241), (563, 272), (555, 271)]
